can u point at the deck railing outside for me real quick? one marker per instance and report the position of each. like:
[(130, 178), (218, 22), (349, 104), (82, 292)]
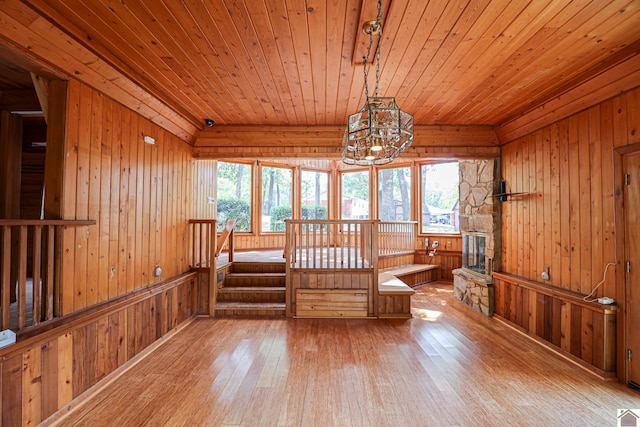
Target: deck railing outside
[(30, 270), (331, 244), (396, 237)]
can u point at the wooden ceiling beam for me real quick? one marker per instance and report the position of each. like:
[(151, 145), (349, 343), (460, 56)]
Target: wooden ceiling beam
[(42, 92), (326, 141)]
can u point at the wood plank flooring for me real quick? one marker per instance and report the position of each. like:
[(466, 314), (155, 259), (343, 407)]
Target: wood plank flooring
[(447, 366)]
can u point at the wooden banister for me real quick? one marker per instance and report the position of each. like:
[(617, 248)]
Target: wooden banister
[(227, 234), (35, 244)]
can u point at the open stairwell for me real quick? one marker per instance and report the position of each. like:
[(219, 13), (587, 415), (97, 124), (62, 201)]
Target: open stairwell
[(253, 289)]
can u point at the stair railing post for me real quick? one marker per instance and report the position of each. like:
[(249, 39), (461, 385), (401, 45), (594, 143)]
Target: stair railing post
[(213, 280)]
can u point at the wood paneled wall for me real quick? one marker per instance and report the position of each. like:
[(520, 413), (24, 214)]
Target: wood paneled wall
[(204, 187), (139, 194), (448, 256), (583, 331), (565, 218), (43, 373)]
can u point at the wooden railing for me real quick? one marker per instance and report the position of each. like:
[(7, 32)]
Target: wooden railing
[(396, 237), (203, 242), (30, 270), (226, 237), (331, 244)]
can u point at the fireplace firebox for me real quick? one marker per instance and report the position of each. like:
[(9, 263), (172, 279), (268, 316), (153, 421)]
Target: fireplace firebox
[(473, 252)]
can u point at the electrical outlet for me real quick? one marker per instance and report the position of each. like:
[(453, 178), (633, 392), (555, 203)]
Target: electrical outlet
[(606, 300)]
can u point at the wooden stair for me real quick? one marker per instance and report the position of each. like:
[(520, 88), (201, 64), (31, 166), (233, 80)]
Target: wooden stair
[(253, 289)]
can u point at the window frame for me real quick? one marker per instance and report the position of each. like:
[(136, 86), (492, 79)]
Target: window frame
[(329, 191), (411, 193), (420, 194), (370, 192), (252, 188), (259, 198)]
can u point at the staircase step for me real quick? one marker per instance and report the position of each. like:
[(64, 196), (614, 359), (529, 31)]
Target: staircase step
[(252, 293), (261, 309), (255, 279), (259, 267)]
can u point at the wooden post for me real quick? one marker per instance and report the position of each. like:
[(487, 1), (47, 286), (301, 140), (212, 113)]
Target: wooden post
[(54, 169), (10, 182), (374, 265), (289, 236), (213, 279)]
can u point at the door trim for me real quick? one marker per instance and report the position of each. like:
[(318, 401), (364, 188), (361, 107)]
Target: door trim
[(620, 229)]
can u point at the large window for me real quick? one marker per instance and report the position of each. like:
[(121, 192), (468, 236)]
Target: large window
[(355, 195), (234, 195), (394, 194), (276, 198), (315, 194), (440, 192)]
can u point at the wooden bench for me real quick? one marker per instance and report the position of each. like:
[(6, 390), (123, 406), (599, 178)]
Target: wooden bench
[(394, 288)]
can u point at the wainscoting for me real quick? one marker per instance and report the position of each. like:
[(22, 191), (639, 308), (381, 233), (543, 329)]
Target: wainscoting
[(52, 364), (584, 332)]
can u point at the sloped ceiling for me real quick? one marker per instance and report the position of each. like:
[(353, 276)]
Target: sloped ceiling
[(296, 63)]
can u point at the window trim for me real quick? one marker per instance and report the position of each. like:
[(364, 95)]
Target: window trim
[(420, 194)]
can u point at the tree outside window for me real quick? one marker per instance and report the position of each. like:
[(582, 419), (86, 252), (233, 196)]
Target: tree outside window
[(355, 195), (234, 185), (440, 193), (394, 194), (315, 194), (276, 198)]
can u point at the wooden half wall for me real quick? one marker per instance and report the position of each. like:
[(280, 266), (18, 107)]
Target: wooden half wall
[(584, 332), (42, 373)]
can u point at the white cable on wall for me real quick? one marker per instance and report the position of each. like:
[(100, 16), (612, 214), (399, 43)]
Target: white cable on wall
[(604, 277)]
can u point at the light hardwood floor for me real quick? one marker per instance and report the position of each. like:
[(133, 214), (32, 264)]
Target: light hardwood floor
[(447, 366)]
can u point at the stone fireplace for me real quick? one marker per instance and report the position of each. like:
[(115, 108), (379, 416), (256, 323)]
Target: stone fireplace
[(480, 230)]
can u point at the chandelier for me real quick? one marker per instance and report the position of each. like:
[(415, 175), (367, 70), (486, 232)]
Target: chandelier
[(380, 131)]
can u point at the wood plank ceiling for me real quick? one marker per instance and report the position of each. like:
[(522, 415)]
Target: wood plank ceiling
[(294, 62)]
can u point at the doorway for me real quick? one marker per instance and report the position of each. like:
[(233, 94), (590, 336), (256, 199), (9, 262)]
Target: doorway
[(631, 173)]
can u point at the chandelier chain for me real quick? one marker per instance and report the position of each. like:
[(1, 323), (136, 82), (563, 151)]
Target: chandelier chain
[(379, 21), (380, 131)]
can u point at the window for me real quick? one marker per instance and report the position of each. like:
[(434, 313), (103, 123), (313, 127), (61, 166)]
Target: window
[(394, 194), (234, 195), (315, 194), (355, 195), (276, 198), (440, 192)]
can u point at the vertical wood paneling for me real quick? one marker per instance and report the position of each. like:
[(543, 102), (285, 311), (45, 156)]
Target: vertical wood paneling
[(135, 191), (37, 380), (586, 332), (567, 170)]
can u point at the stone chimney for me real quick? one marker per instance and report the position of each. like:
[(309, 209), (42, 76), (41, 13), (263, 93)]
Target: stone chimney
[(480, 213)]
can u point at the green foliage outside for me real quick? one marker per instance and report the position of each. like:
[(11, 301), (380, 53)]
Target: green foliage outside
[(278, 215), (234, 209), (281, 213), (314, 212)]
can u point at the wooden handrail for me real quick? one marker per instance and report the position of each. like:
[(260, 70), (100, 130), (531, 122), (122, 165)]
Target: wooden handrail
[(36, 244), (63, 222), (227, 234)]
